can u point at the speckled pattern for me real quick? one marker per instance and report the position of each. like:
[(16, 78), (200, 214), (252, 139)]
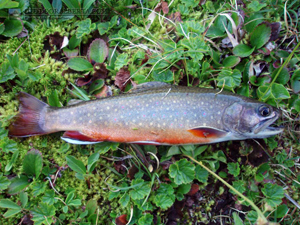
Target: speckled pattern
[(163, 115)]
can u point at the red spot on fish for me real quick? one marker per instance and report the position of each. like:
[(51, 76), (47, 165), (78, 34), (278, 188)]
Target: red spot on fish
[(184, 113), (153, 114), (157, 103), (138, 103), (122, 107), (144, 115), (115, 119)]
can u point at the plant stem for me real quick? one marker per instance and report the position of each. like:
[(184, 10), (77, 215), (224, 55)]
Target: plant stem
[(280, 69), (259, 212)]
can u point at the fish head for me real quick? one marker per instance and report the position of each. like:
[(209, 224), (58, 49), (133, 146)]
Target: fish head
[(251, 120)]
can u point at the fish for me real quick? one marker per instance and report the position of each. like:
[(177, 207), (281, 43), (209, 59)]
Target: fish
[(153, 113)]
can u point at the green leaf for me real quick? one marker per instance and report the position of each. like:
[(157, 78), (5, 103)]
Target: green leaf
[(146, 219), (11, 212), (6, 72), (296, 105), (38, 188), (281, 211), (256, 6), (74, 42), (140, 191), (23, 198), (76, 165), (17, 184), (164, 197), (92, 160), (283, 76), (231, 61), (196, 47), (183, 188), (4, 182), (239, 185), (163, 76), (103, 28), (96, 85), (242, 50), (279, 91), (173, 150), (53, 99), (182, 171), (12, 27), (230, 79), (273, 193), (234, 168), (104, 147), (122, 60), (34, 76), (260, 36), (295, 81), (98, 51), (49, 197), (91, 206), (80, 64), (85, 27), (43, 214), (7, 4), (33, 163), (8, 145), (201, 174), (12, 161), (46, 5), (237, 220), (6, 203), (124, 200)]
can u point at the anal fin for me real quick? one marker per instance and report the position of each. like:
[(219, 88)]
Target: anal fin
[(77, 138), (208, 132)]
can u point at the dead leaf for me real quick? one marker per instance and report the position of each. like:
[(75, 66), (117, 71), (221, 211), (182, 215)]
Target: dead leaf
[(132, 171), (165, 7), (194, 190), (122, 78), (104, 92), (100, 71), (121, 220)]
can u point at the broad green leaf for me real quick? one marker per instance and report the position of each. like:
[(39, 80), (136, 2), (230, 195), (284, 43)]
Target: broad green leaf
[(231, 61), (163, 76), (230, 79), (140, 191), (279, 91), (92, 160), (164, 197), (76, 164), (183, 189), (263, 92), (260, 36), (80, 64), (122, 60), (11, 212), (12, 161), (39, 188), (237, 220), (17, 184), (295, 81), (6, 72), (256, 5), (98, 51), (57, 4), (46, 5), (34, 75), (2, 27), (53, 99), (85, 27), (182, 171), (124, 200), (33, 163), (74, 42), (273, 193), (23, 198), (103, 28), (72, 4), (8, 145), (12, 27), (173, 150), (4, 182), (296, 105), (281, 211), (146, 219), (6, 203), (234, 168), (96, 85), (43, 214), (196, 47), (283, 76), (252, 21), (49, 197), (87, 4), (7, 4), (201, 174), (104, 147), (239, 185), (242, 50)]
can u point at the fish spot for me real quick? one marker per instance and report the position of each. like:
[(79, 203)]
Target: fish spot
[(151, 124), (202, 103), (89, 114), (94, 108), (100, 117), (90, 121), (219, 113), (204, 124), (95, 114), (140, 124), (212, 117), (164, 124), (158, 125), (72, 113), (107, 107)]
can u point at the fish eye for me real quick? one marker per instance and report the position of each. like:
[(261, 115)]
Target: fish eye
[(265, 111)]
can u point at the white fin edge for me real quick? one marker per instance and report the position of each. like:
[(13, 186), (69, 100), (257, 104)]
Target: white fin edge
[(78, 142)]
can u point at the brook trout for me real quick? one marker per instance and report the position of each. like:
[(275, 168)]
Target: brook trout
[(154, 113)]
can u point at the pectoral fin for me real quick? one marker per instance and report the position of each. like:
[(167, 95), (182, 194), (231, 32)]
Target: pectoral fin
[(75, 137), (208, 132)]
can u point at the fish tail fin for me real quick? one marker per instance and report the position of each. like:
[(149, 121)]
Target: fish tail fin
[(30, 119)]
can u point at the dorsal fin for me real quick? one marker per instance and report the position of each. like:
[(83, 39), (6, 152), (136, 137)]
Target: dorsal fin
[(148, 86)]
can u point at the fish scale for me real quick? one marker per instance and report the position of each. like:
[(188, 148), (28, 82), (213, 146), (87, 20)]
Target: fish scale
[(157, 114)]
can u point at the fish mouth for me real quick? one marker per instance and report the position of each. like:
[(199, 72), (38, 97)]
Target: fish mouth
[(264, 128)]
